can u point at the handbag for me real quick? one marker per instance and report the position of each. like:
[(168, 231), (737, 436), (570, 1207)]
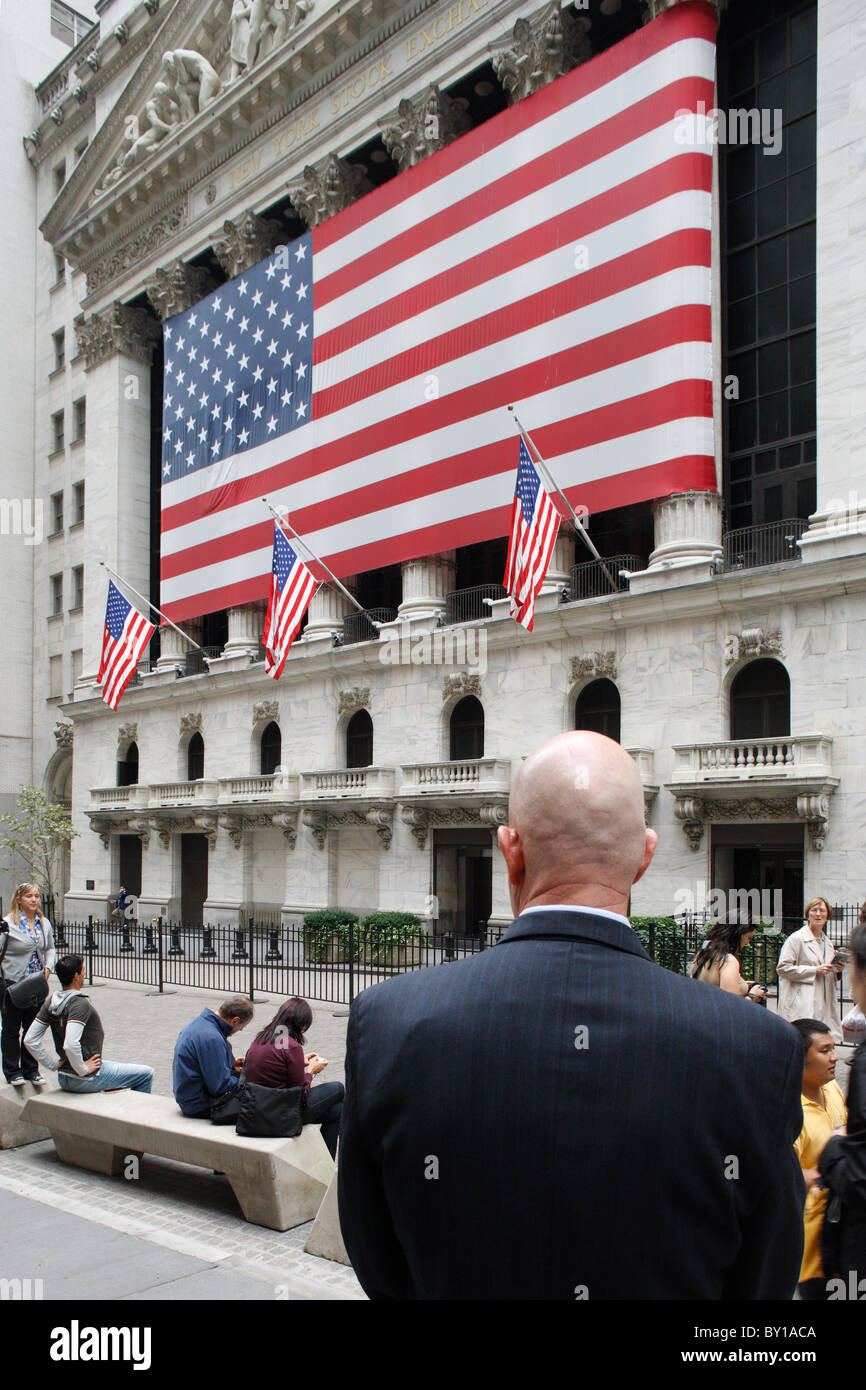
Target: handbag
[(29, 993), (271, 1112)]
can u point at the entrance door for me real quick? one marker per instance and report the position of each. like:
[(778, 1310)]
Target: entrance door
[(774, 870), (193, 878), (475, 866), (463, 880), (130, 864)]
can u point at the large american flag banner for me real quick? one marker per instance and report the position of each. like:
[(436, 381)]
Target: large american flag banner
[(557, 257)]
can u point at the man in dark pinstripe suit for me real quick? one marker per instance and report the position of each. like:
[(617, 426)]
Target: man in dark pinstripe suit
[(558, 1117)]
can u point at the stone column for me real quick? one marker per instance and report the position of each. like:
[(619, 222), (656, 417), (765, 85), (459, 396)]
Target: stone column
[(246, 625), (688, 541), (327, 609), (426, 582), (118, 348), (173, 648), (559, 570)]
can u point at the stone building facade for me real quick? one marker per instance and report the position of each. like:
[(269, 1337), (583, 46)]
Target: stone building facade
[(375, 772)]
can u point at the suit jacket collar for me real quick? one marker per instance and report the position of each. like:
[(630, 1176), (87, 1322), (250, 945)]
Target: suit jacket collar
[(574, 924)]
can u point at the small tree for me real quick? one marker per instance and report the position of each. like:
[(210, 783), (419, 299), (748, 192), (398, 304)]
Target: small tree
[(37, 832)]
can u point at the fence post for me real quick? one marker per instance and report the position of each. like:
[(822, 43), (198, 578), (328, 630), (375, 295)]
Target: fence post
[(351, 960), (159, 958), (89, 947), (252, 960)]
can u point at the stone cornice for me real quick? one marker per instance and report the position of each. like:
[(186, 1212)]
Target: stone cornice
[(119, 329)]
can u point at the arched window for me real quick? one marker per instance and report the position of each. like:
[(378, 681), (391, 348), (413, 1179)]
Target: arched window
[(127, 767), (359, 740), (467, 729), (272, 749), (761, 701), (195, 759), (598, 709)]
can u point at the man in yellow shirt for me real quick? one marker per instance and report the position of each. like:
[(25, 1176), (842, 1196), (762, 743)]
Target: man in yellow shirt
[(823, 1113)]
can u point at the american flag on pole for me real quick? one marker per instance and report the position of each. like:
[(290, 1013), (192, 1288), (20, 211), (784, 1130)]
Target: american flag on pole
[(557, 257), (125, 637), (292, 587), (534, 523)]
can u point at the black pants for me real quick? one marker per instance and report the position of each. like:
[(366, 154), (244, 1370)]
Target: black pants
[(16, 1059), (324, 1107), (813, 1290)]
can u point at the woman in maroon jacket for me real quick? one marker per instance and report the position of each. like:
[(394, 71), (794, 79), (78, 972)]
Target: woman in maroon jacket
[(276, 1058)]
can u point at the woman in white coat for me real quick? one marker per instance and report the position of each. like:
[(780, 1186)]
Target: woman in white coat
[(807, 975)]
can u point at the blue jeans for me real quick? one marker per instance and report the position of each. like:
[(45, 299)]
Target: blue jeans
[(110, 1077)]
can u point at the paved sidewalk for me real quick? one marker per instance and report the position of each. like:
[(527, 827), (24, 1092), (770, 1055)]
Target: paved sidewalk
[(176, 1232)]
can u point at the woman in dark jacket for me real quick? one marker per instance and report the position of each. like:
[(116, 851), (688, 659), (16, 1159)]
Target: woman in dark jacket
[(276, 1057), (842, 1164)]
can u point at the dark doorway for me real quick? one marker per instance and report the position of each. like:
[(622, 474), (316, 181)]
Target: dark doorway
[(475, 870), (467, 730), (761, 701), (130, 864), (272, 749), (127, 767), (764, 865), (463, 880), (195, 759), (193, 878), (598, 709), (359, 740)]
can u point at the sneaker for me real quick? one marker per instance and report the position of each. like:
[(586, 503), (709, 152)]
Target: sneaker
[(16, 1080), (38, 1080)]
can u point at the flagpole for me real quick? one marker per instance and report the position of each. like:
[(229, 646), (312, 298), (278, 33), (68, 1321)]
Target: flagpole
[(281, 519), (127, 585), (558, 490)]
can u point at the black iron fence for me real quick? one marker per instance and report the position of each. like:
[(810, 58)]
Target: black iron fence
[(592, 578), (469, 606), (769, 544), (360, 626)]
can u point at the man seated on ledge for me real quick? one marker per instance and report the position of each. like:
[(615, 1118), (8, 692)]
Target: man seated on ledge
[(558, 1117), (77, 1032), (205, 1071)]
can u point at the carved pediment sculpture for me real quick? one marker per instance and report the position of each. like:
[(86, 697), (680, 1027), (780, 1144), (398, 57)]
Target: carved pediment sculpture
[(190, 724), (595, 664), (752, 642), (461, 683), (63, 733), (356, 698), (258, 27)]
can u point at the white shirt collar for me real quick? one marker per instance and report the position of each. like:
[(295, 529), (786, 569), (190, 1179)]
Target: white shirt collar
[(573, 907)]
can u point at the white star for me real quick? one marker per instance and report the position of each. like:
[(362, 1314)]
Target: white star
[(202, 435), (190, 460), (228, 422), (190, 424), (242, 287), (272, 424), (287, 396), (192, 320), (202, 400), (272, 347), (204, 364), (180, 374), (258, 373), (258, 335), (302, 409), (287, 359), (217, 339), (271, 270), (230, 349), (217, 375), (272, 308), (215, 447), (287, 320), (301, 291), (179, 344), (230, 313), (272, 385), (257, 298), (302, 369), (215, 413), (244, 324), (244, 362), (169, 400), (216, 303), (178, 413), (192, 352), (204, 330), (257, 411), (229, 386), (243, 436), (168, 332), (286, 281), (166, 436), (178, 448), (243, 398), (302, 330), (301, 252), (166, 472), (190, 390)]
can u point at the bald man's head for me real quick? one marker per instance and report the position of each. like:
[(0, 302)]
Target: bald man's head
[(576, 829)]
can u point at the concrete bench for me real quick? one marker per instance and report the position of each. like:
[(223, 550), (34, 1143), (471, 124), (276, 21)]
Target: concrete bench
[(279, 1183), (13, 1131)]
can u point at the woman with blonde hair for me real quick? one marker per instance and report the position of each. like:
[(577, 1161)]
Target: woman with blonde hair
[(26, 949), (808, 972)]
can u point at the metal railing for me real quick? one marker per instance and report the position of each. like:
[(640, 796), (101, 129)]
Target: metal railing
[(590, 581), (195, 662), (357, 627), (770, 544), (468, 606)]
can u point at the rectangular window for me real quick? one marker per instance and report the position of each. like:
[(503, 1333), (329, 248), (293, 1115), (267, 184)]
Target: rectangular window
[(80, 150), (78, 587), (56, 594), (56, 513), (57, 435), (55, 683), (59, 270), (77, 503), (59, 174), (67, 24), (80, 411), (59, 339)]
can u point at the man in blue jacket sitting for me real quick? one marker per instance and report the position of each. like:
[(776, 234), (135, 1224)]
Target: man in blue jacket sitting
[(205, 1071)]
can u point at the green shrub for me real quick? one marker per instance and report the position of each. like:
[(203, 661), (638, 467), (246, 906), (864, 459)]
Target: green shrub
[(382, 932), (676, 944), (321, 926)]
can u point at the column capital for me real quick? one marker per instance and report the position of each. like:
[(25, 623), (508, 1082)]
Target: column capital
[(423, 125), (326, 188), (651, 9), (118, 329), (175, 287), (247, 241), (542, 49)]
